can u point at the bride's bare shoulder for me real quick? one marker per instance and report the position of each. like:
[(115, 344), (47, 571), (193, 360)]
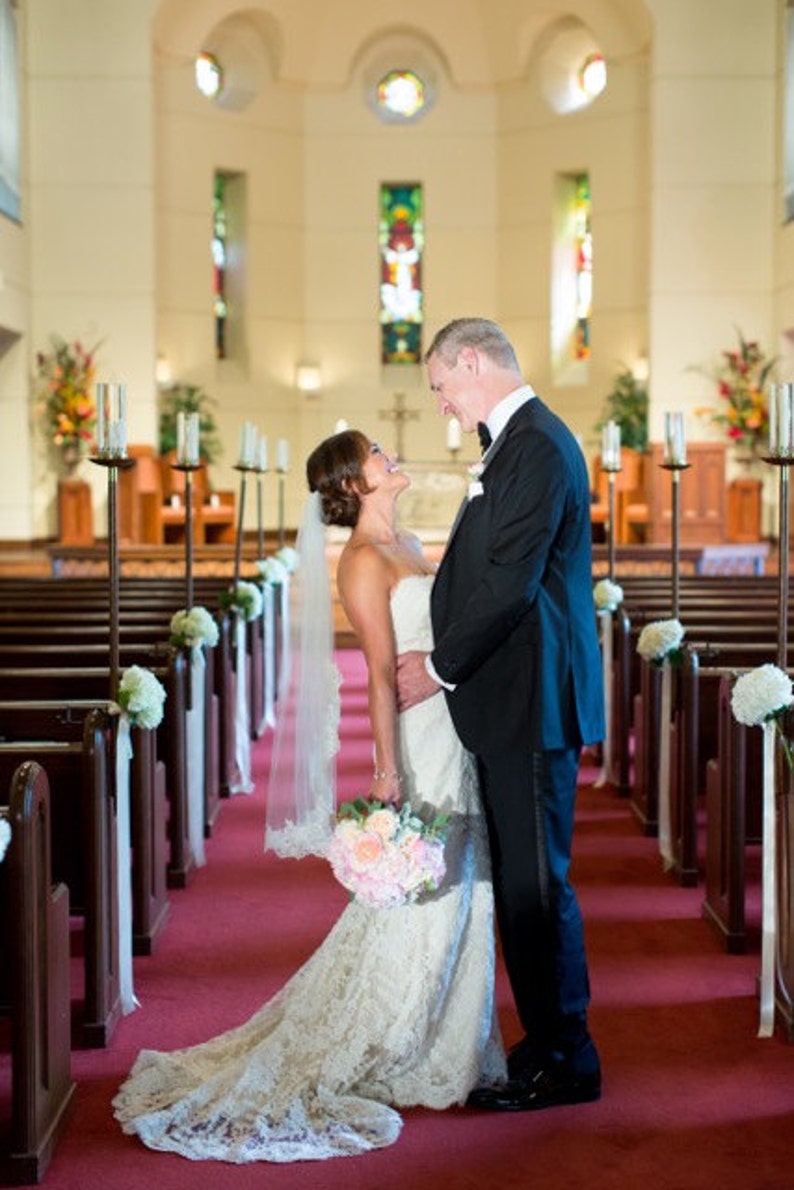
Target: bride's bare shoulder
[(362, 565)]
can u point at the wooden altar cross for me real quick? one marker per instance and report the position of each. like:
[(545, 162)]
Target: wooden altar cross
[(399, 415)]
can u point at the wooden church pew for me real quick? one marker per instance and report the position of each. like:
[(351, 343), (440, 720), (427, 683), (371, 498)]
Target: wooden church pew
[(66, 672), (83, 852), (34, 980), (64, 721), (733, 821)]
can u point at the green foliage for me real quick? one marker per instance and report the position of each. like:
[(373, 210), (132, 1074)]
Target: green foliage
[(189, 398), (627, 404)]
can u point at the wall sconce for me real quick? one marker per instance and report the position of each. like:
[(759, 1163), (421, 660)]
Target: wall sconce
[(308, 378), (641, 369), (162, 372)]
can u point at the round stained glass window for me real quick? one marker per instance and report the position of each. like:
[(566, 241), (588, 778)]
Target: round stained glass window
[(593, 75), (401, 93), (209, 76)]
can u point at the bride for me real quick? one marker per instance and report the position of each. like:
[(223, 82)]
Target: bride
[(396, 1007)]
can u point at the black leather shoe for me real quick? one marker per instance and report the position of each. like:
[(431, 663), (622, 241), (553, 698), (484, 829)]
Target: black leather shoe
[(522, 1057), (549, 1086)]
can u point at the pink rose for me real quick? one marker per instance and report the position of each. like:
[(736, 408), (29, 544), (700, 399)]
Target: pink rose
[(367, 851), (382, 823)]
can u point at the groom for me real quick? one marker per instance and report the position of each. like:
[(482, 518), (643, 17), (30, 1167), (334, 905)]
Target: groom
[(517, 652)]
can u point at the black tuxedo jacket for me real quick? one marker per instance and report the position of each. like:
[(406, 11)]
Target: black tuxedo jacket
[(512, 605)]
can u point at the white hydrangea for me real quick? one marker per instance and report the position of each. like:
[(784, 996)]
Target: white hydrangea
[(660, 638), (607, 595), (761, 694), (5, 837), (248, 597), (141, 697), (272, 570), (194, 627), (288, 557)]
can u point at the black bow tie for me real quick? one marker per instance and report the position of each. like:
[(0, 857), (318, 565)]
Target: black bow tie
[(484, 434)]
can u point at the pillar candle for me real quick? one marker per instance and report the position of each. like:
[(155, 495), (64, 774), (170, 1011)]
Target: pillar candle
[(282, 455), (192, 447), (675, 444), (453, 434), (101, 419), (116, 421), (248, 445), (610, 446), (181, 438), (784, 418), (262, 461)]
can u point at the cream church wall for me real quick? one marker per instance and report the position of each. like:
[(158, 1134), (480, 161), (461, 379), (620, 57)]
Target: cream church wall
[(117, 175), (90, 203), (264, 142), (15, 458), (608, 140), (713, 149), (451, 152), (783, 231)]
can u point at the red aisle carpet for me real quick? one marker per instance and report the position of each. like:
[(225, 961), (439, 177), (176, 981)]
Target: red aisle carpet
[(692, 1100)]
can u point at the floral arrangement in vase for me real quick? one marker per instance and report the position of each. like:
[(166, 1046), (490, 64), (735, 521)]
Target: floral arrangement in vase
[(64, 381), (743, 409)]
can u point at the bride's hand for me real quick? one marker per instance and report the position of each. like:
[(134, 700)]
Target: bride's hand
[(386, 788)]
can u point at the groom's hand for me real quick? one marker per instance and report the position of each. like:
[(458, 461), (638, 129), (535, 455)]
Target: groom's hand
[(414, 683)]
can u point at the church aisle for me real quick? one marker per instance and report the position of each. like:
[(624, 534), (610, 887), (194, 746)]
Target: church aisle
[(691, 1098)]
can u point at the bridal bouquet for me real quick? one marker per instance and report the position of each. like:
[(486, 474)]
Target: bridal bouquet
[(386, 855)]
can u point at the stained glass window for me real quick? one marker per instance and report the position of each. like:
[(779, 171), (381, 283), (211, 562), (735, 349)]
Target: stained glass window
[(402, 93), (593, 76), (10, 127), (583, 249), (209, 76), (401, 300), (219, 264)]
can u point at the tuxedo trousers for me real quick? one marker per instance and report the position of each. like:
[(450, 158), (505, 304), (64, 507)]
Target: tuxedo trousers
[(529, 798)]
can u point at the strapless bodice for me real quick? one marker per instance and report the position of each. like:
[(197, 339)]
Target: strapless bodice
[(410, 609)]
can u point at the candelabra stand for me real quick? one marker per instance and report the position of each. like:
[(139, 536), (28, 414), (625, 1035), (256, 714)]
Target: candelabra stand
[(113, 464), (675, 468), (281, 478), (782, 462), (781, 828), (243, 468), (611, 471), (187, 470), (261, 472)]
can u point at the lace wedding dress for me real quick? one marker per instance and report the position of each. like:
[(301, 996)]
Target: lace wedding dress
[(395, 1009)]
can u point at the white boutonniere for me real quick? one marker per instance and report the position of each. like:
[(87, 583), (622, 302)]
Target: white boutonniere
[(475, 482)]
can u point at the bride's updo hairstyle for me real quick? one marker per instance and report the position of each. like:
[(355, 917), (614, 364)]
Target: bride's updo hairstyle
[(335, 469)]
